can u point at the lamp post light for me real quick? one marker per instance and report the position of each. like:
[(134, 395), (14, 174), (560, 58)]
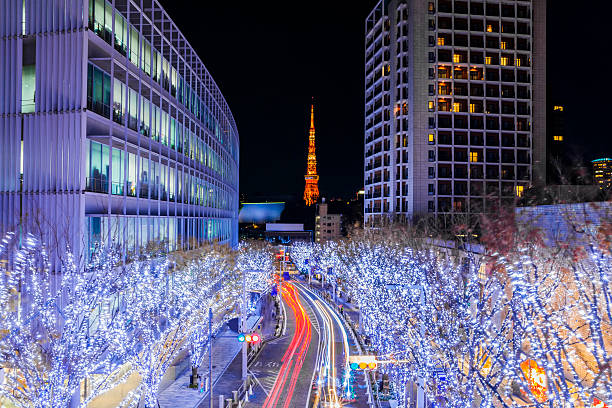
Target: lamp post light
[(243, 316), (210, 383), (420, 402)]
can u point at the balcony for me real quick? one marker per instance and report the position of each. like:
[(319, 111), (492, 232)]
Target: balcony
[(97, 184)]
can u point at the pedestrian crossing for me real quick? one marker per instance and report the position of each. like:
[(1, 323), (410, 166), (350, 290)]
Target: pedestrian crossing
[(267, 383), (312, 316)]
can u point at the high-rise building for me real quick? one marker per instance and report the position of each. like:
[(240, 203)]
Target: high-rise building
[(602, 173), (455, 105), (112, 129), (557, 160), (311, 190), (327, 226)]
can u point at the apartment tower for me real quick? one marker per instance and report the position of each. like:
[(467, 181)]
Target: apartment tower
[(455, 105), (111, 129)]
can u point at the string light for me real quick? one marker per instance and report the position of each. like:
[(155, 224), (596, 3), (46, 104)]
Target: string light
[(106, 320), (466, 335)]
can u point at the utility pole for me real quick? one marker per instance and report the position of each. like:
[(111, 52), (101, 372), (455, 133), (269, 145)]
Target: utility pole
[(243, 328), (420, 402), (210, 379)]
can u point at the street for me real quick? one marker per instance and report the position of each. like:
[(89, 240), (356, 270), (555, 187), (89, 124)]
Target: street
[(308, 366)]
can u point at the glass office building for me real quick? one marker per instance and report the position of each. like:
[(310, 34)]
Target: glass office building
[(112, 129)]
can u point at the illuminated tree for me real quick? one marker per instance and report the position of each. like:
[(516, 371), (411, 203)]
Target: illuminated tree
[(169, 309), (60, 329)]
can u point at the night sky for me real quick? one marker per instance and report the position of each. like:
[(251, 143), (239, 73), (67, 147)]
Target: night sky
[(270, 58)]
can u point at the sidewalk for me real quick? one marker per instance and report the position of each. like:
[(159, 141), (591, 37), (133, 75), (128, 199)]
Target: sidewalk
[(226, 367), (225, 348)]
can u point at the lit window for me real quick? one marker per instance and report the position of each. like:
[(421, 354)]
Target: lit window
[(440, 40), (558, 108), (504, 60), (488, 60), (431, 138), (503, 45), (519, 191), (456, 58), (472, 107), (489, 28), (473, 156), (518, 62), (431, 106), (558, 138), (456, 107)]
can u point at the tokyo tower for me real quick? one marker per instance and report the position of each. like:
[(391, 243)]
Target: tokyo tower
[(311, 192)]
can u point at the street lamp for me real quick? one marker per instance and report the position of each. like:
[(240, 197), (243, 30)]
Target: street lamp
[(420, 381), (210, 384)]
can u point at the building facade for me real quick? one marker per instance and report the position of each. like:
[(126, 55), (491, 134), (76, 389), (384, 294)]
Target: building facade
[(327, 226), (455, 105), (557, 161), (112, 129), (602, 173)]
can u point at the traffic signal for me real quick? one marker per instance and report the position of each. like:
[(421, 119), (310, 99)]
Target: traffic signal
[(362, 362), (249, 337)]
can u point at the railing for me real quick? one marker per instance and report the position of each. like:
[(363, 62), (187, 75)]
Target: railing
[(98, 107), (96, 184)]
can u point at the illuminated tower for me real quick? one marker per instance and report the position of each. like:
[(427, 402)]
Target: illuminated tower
[(311, 192)]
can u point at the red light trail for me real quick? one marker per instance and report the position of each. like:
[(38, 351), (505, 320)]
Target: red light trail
[(296, 352)]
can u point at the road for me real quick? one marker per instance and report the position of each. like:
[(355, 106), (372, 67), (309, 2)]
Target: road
[(309, 366)]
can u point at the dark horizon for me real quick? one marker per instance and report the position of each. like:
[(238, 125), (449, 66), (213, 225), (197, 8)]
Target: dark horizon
[(270, 60)]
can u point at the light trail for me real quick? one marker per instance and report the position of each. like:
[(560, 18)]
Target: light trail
[(327, 357), (295, 353)]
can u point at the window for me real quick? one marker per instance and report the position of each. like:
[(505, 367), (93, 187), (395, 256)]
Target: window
[(440, 40), (519, 191), (488, 60), (431, 172), (119, 99), (145, 116), (489, 28), (432, 57), (473, 156), (132, 109), (558, 138), (456, 58), (431, 8), (117, 170), (121, 34), (503, 45), (432, 89), (504, 60), (146, 57), (131, 175), (430, 189), (431, 155), (431, 73), (456, 107), (431, 106), (98, 167), (430, 206), (100, 19), (431, 139), (98, 91), (472, 107), (558, 108), (134, 37), (28, 88)]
